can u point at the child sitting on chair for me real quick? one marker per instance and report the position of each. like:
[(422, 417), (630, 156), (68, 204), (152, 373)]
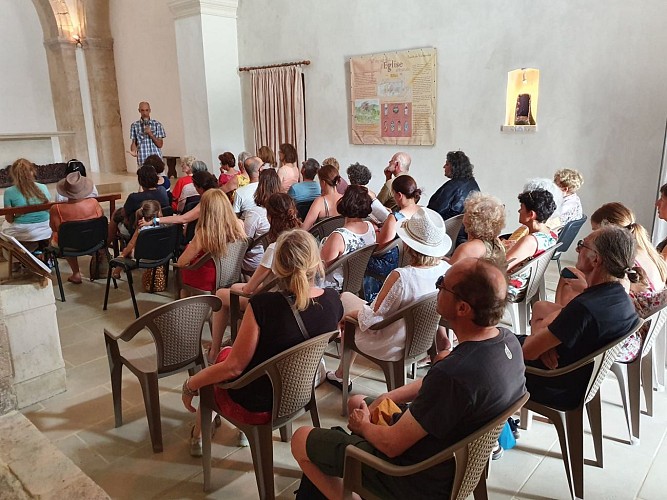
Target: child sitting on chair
[(149, 210)]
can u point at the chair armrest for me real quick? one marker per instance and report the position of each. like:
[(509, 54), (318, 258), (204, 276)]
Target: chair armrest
[(398, 314), (239, 293), (193, 266), (546, 373)]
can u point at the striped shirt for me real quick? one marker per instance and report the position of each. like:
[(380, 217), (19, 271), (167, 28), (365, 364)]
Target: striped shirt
[(145, 145)]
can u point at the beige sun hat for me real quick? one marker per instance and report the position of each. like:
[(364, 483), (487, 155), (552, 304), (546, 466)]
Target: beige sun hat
[(424, 232), (75, 186)]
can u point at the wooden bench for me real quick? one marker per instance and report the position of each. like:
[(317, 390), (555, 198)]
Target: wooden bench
[(111, 198)]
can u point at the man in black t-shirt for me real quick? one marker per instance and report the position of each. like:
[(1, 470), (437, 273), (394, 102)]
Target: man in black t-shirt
[(601, 313), (480, 379)]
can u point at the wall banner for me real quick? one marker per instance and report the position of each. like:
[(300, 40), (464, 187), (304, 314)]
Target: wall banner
[(393, 97)]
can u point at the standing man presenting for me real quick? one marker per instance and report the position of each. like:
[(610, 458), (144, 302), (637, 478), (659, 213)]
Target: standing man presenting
[(147, 135)]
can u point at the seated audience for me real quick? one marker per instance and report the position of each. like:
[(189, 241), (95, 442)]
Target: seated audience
[(342, 185), (360, 175), (188, 189), (356, 233), (569, 181), (483, 220), (265, 153), (407, 195), (32, 227), (288, 172), (309, 188), (147, 217), (426, 243), (157, 163), (216, 228), (536, 207), (123, 218), (75, 165), (449, 198), (181, 182), (480, 379), (281, 212), (399, 164), (269, 327), (601, 313), (652, 269), (231, 179), (255, 220), (554, 222), (244, 198), (76, 189), (325, 205)]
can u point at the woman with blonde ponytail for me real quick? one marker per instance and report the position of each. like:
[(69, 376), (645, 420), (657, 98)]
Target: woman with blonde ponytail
[(269, 327)]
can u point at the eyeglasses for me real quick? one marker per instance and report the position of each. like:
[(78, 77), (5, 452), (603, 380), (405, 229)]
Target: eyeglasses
[(581, 244), (440, 285)]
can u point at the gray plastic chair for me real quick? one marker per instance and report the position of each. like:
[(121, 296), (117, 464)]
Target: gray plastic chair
[(471, 457), (325, 227), (570, 424), (536, 267), (421, 323), (291, 373), (227, 268), (631, 376), (353, 266), (176, 329), (452, 228)]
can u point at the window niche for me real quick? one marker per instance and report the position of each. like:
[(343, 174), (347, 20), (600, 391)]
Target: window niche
[(521, 102)]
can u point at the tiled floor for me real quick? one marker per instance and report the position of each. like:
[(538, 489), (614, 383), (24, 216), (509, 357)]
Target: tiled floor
[(80, 423)]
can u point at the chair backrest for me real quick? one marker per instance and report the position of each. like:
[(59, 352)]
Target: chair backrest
[(452, 228), (537, 267), (568, 234), (85, 236), (156, 244), (354, 266), (657, 321), (190, 203), (325, 227), (177, 329), (292, 373), (260, 240), (421, 324), (228, 267), (602, 360), (303, 207)]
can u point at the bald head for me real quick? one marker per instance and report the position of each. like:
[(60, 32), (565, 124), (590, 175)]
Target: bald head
[(252, 166), (144, 110), (483, 285), (403, 161)]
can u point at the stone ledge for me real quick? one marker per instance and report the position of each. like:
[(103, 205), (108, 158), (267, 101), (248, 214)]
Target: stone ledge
[(32, 467)]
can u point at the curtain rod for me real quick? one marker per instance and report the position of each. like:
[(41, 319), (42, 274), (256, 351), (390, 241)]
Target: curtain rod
[(298, 63)]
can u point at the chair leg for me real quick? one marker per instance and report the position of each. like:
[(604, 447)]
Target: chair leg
[(150, 390), (647, 381), (134, 299), (621, 374), (558, 262), (116, 370), (314, 415), (480, 492), (106, 293), (261, 447), (634, 394), (206, 443), (575, 445), (594, 410), (286, 432), (395, 374), (525, 419), (345, 358), (659, 360), (60, 280)]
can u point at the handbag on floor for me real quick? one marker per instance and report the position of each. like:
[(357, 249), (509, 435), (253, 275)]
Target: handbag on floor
[(160, 281), (99, 265)]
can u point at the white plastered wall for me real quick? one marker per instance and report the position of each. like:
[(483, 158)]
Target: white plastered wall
[(147, 69), (602, 80), (26, 104)]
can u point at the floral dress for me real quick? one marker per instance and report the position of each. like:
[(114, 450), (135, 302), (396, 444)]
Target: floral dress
[(353, 241), (518, 282)]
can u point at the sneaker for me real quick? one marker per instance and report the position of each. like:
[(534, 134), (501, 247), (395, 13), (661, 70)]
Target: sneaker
[(321, 374), (497, 452), (514, 427), (337, 382), (243, 440), (195, 444)]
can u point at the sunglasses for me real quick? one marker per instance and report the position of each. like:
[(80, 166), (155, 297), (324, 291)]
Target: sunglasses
[(440, 285), (581, 244)]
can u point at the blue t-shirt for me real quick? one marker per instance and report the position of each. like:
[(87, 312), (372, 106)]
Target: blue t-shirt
[(304, 191), (14, 198)]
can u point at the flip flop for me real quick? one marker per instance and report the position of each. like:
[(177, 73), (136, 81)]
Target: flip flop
[(76, 282)]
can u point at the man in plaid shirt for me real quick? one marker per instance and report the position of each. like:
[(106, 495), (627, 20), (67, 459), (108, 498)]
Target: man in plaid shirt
[(147, 135)]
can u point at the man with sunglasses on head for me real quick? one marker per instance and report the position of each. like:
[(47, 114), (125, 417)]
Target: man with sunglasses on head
[(562, 335), (465, 390)]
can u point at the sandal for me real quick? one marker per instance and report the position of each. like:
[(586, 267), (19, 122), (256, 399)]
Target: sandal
[(337, 382)]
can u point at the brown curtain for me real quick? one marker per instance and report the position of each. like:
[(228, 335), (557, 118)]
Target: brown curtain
[(278, 110)]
